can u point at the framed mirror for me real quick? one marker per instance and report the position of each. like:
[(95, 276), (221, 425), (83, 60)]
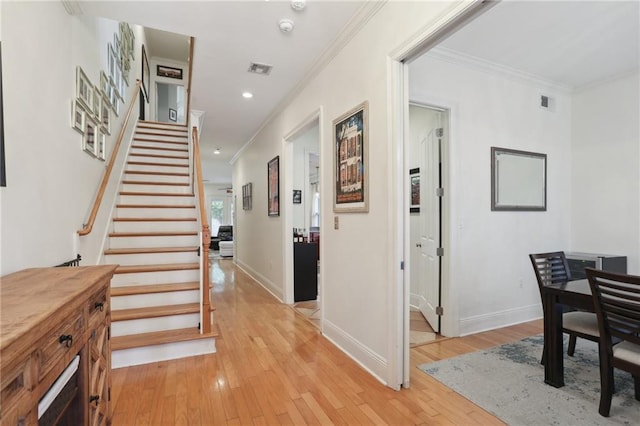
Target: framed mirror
[(518, 180)]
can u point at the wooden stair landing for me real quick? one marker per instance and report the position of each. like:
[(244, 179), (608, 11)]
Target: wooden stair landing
[(161, 337)]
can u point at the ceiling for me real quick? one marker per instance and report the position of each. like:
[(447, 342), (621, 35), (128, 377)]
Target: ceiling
[(570, 43)]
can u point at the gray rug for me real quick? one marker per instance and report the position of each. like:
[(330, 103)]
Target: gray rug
[(508, 381)]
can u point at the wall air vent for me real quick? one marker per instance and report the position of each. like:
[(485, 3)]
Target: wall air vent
[(547, 102), (257, 68)]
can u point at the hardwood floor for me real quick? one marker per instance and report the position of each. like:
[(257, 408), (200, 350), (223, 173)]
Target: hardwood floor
[(272, 366)]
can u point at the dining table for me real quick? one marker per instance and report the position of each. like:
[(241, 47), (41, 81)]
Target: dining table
[(556, 297)]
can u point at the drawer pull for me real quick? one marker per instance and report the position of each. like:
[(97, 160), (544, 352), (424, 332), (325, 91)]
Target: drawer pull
[(94, 398), (66, 339), (99, 305)]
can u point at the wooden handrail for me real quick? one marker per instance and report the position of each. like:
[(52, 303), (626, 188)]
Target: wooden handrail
[(206, 234), (86, 229), (192, 41)]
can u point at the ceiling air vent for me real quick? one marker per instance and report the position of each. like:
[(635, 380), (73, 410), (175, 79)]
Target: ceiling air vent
[(257, 68)]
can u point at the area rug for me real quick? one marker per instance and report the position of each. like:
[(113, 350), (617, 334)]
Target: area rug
[(508, 381)]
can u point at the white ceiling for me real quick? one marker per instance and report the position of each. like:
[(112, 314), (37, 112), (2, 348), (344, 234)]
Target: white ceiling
[(571, 43)]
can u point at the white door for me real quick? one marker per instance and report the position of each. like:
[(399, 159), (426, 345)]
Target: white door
[(429, 242)]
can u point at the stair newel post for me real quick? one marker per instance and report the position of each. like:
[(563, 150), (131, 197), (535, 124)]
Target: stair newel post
[(206, 235)]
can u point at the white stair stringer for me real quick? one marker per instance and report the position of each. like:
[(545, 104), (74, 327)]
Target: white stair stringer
[(155, 238)]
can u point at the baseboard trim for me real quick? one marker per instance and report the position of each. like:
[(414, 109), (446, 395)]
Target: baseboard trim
[(263, 281), (376, 365), (493, 320)]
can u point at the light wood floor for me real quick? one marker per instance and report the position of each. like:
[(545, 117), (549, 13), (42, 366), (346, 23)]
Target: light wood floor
[(272, 367)]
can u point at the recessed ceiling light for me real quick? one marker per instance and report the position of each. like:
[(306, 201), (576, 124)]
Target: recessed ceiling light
[(285, 25), (298, 5), (247, 95), (217, 151)]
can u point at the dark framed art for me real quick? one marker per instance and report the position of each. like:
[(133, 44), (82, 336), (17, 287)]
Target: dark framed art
[(297, 196), (146, 75), (414, 177), (173, 114), (170, 72), (246, 196), (273, 186), (351, 161)]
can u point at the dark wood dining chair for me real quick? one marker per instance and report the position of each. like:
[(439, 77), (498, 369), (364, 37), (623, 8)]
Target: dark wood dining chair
[(617, 301), (552, 268)]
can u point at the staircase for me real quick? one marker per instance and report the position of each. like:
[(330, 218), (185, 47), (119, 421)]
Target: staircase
[(155, 292)]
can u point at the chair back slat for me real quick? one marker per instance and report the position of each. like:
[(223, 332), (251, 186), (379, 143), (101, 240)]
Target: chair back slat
[(617, 304), (550, 268)]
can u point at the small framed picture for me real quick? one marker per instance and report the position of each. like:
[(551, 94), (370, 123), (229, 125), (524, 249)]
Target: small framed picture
[(78, 116), (97, 101), (173, 114), (414, 176), (101, 142), (90, 136), (171, 72), (273, 186), (297, 196), (105, 116), (84, 89)]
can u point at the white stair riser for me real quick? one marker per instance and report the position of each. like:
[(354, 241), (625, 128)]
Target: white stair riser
[(157, 199), (152, 168), (155, 226), (161, 130), (159, 160), (155, 189), (142, 278), (149, 325), (140, 242), (151, 258), (158, 178), (170, 151), (122, 212), (149, 354), (158, 138), (154, 299)]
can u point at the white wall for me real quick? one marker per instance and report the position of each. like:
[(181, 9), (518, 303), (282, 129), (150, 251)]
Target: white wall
[(155, 78), (51, 182), (605, 201), (490, 268), (357, 268)]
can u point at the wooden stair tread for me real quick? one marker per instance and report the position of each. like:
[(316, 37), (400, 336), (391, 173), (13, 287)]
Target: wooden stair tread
[(154, 219), (162, 267), (153, 234), (159, 124), (173, 157), (155, 206), (142, 172), (156, 194), (150, 250), (161, 337), (145, 182), (153, 288), (149, 163), (154, 311), (159, 148)]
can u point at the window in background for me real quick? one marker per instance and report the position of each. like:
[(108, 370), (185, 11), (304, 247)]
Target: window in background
[(217, 215)]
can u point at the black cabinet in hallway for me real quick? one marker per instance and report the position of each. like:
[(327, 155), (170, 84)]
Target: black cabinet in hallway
[(305, 271)]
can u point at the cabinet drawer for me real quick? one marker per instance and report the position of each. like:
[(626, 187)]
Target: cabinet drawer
[(16, 384), (61, 341), (98, 307)]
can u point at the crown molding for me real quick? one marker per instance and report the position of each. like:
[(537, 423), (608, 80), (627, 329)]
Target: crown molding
[(364, 13), (72, 7), (459, 58)]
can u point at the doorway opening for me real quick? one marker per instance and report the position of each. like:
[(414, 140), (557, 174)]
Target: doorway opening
[(170, 103), (302, 220), (428, 130)]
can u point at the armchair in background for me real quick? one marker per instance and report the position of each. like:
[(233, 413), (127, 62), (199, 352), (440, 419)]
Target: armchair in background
[(225, 233)]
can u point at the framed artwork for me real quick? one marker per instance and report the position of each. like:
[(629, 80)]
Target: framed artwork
[(146, 75), (171, 72), (90, 136), (414, 177), (84, 89), (105, 116), (112, 62), (297, 196), (78, 116), (104, 83), (173, 114), (246, 196), (101, 142), (97, 102), (273, 186), (351, 161)]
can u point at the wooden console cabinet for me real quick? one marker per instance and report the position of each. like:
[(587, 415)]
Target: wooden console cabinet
[(47, 317)]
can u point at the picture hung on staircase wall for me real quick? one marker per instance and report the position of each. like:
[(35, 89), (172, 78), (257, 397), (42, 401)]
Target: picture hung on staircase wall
[(105, 116), (273, 186), (78, 116), (84, 89), (414, 176), (351, 152), (90, 136), (171, 72)]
